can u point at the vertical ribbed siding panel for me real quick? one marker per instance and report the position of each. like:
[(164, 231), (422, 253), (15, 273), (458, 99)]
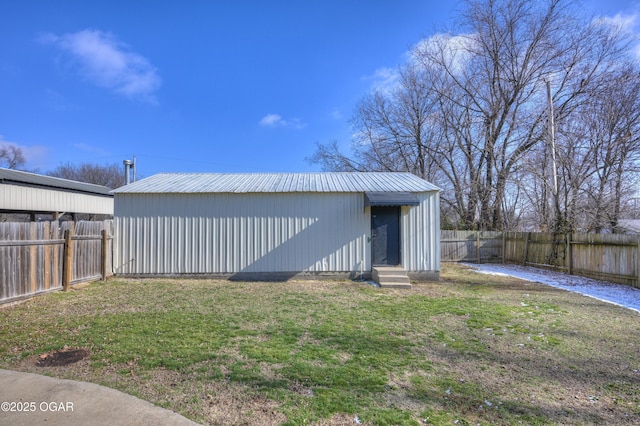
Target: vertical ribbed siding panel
[(229, 233), (173, 262), (181, 221), (163, 243), (118, 246), (412, 228), (221, 258), (434, 239), (420, 228)]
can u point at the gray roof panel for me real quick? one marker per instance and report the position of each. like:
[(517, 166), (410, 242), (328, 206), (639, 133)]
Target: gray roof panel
[(277, 182), (390, 199)]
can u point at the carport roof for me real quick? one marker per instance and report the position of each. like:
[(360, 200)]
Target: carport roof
[(16, 177), (278, 182)]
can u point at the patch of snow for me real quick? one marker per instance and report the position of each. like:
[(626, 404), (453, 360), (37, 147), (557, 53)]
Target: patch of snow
[(617, 294)]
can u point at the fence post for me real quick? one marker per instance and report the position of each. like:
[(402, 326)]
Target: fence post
[(638, 262), (504, 247), (56, 276), (67, 266), (526, 248), (33, 257), (47, 256), (569, 253), (104, 255), (478, 246)]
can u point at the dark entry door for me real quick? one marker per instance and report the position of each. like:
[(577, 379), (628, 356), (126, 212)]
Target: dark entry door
[(385, 235)]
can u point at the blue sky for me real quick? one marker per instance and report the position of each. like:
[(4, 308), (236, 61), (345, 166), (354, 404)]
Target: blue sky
[(201, 86)]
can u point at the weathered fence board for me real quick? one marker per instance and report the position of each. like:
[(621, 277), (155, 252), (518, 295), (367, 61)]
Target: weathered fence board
[(471, 246), (27, 265), (32, 255), (610, 257), (606, 256)]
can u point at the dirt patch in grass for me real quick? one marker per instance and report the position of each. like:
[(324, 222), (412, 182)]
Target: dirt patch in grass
[(472, 348), (62, 357)]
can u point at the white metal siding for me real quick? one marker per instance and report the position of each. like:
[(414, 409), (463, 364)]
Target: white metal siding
[(231, 233), (420, 234), (16, 197)]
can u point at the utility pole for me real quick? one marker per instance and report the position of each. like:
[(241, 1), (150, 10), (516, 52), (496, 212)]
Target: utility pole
[(559, 225), (552, 140)]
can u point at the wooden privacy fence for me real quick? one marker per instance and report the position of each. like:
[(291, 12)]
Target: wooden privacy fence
[(38, 257), (471, 246), (610, 257)]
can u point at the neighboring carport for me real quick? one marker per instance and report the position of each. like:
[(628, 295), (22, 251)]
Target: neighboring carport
[(39, 195)]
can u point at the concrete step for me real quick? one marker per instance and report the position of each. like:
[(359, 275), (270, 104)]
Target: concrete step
[(391, 277), (395, 285), (400, 279), (382, 271)]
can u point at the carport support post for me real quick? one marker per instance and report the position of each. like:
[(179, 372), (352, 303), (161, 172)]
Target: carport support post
[(67, 266)]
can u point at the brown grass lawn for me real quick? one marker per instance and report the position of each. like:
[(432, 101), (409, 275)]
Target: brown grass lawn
[(470, 349)]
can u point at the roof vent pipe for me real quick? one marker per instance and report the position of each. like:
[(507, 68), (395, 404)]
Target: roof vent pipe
[(127, 175)]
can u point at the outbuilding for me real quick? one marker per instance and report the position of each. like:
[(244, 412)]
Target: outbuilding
[(267, 226)]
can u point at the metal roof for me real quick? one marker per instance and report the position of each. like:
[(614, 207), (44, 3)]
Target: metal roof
[(277, 182), (16, 177)]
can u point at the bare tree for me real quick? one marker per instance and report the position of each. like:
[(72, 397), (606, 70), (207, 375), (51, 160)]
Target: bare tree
[(394, 131), (331, 158), (498, 85), (612, 120), (110, 175), (470, 111), (11, 156)]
